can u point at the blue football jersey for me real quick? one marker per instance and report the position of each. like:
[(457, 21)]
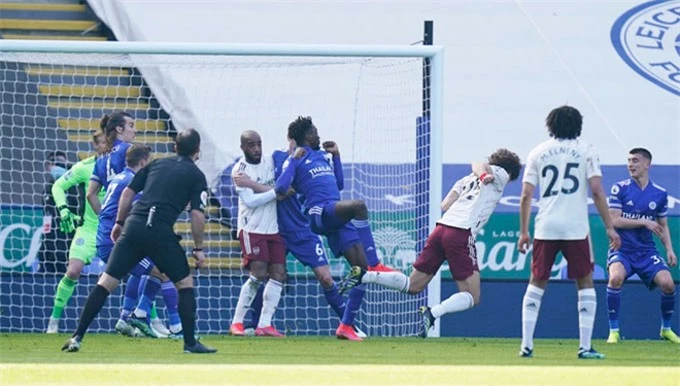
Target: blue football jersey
[(110, 164), (109, 211), (635, 203), (289, 210), (313, 177)]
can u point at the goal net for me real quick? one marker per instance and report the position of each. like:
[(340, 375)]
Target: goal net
[(371, 106)]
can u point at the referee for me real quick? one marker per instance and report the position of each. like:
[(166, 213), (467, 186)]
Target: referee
[(168, 185)]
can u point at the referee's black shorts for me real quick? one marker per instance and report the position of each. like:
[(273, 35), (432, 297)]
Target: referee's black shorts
[(159, 243)]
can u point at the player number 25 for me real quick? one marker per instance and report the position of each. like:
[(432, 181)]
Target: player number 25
[(555, 174)]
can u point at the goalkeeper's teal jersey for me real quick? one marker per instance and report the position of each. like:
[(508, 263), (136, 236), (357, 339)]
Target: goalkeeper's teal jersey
[(80, 173)]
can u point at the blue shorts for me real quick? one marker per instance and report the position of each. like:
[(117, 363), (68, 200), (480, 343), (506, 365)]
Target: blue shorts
[(341, 235), (306, 247), (323, 219), (142, 268), (104, 251), (645, 264)]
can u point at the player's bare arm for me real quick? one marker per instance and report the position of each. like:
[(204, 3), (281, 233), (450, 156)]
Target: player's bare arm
[(629, 223), (525, 216), (666, 240), (124, 206), (600, 199), (197, 229), (93, 196), (450, 198), (483, 172)]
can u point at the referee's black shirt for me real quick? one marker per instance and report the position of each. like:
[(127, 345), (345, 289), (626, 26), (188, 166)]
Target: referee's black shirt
[(169, 184)]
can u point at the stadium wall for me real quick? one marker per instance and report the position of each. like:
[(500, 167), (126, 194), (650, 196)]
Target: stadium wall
[(506, 65), (25, 304)]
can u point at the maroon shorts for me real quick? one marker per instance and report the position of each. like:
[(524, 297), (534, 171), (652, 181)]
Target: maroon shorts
[(455, 245), (576, 252), (259, 247)]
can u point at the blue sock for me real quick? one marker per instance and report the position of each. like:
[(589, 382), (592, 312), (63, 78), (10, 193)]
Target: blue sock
[(130, 297), (354, 298), (170, 298), (613, 306), (140, 287), (667, 306), (149, 292), (366, 237), (256, 307), (335, 300)]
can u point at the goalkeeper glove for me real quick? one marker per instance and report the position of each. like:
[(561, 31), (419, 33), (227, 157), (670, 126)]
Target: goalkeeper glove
[(67, 220)]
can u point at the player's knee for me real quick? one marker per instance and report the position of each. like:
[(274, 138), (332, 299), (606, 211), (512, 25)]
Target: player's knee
[(107, 281), (615, 281), (476, 299), (666, 285), (73, 273), (281, 277), (187, 282), (415, 288), (326, 281), (360, 209)]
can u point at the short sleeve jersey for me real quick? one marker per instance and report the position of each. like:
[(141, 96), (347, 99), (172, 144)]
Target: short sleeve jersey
[(650, 203), (476, 201), (560, 169)]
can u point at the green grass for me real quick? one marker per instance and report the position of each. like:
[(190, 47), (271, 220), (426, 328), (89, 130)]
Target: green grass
[(34, 358)]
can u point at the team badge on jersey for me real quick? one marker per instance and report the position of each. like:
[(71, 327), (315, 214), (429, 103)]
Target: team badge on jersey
[(652, 205), (256, 250), (80, 241)]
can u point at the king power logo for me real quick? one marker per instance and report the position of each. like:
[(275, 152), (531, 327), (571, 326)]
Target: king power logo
[(647, 38)]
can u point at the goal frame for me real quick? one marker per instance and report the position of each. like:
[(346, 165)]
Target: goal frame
[(433, 131)]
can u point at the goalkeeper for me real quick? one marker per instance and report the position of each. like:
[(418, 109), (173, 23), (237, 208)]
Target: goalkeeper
[(82, 249)]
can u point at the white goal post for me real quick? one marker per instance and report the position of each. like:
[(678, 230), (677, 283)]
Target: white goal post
[(52, 91)]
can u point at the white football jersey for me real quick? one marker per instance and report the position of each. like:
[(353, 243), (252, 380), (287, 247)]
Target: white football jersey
[(476, 201), (261, 220), (560, 169)]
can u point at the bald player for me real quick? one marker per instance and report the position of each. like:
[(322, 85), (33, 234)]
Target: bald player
[(264, 252)]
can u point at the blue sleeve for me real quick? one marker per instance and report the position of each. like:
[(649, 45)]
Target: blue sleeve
[(615, 197), (286, 179), (337, 170), (663, 208)]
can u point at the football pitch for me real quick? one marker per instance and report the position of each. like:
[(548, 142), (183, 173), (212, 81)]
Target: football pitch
[(111, 359)]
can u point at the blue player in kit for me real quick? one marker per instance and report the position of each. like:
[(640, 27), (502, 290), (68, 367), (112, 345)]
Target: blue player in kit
[(344, 222), (301, 242), (639, 209), (137, 156), (119, 131)]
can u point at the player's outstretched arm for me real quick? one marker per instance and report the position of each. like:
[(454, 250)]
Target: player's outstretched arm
[(332, 148), (525, 216), (600, 199), (197, 232), (452, 196)]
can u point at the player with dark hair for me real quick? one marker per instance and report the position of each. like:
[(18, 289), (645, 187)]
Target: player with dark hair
[(639, 209), (119, 131), (169, 184), (344, 222), (562, 166), (83, 248), (307, 247), (467, 208), (264, 253)]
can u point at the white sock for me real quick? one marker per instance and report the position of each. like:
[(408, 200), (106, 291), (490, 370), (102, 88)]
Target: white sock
[(531, 304), (460, 301), (245, 298), (587, 304), (270, 300), (392, 280)]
